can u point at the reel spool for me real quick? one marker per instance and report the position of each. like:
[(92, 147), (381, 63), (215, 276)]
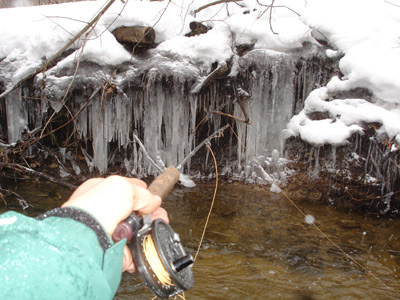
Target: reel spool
[(161, 261)]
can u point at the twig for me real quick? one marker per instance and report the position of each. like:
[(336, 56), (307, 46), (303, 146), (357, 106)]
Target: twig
[(212, 202), (22, 169), (21, 200), (43, 67), (206, 81), (269, 7), (156, 22), (214, 3), (65, 95), (2, 197), (217, 133), (270, 18), (230, 116), (70, 120), (392, 3), (147, 154)]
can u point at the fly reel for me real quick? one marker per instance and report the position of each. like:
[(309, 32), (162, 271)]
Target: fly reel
[(161, 261), (156, 248)]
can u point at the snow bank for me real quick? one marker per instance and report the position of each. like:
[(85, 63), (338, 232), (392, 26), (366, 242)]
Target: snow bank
[(366, 31), (345, 117)]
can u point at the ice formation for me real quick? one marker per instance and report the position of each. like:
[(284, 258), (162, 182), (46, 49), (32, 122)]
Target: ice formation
[(154, 101), (149, 111)]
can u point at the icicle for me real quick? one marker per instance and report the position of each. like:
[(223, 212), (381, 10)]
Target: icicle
[(333, 159), (17, 118), (270, 107), (99, 134), (193, 113), (316, 168)]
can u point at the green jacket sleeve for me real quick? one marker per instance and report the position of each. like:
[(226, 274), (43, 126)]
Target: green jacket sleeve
[(55, 258)]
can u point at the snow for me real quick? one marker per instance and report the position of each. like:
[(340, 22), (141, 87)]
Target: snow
[(346, 115), (365, 32)]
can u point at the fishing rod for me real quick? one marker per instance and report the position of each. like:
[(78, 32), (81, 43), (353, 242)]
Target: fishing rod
[(156, 248)]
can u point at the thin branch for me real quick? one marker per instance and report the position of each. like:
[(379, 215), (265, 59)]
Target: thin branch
[(147, 154), (22, 169), (215, 134), (392, 3), (157, 21), (214, 3), (44, 66), (2, 197), (270, 7), (270, 18), (287, 7), (69, 121), (21, 200), (69, 85), (230, 116)]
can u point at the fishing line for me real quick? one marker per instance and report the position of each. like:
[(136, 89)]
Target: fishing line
[(216, 186), (298, 209), (212, 202), (155, 262), (339, 248), (319, 230)]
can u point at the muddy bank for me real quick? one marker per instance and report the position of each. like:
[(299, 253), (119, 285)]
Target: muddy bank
[(361, 176)]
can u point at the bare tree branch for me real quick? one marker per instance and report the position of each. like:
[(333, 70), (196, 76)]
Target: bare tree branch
[(44, 66), (160, 169), (22, 169), (392, 3), (270, 7), (214, 3), (20, 199), (214, 135)]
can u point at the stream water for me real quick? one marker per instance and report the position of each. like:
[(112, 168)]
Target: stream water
[(258, 245)]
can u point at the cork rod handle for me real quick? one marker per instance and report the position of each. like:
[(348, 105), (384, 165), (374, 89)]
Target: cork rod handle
[(164, 182)]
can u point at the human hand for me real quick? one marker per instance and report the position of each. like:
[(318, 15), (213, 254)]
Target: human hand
[(111, 200)]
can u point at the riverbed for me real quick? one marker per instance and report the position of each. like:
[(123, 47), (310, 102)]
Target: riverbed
[(258, 245)]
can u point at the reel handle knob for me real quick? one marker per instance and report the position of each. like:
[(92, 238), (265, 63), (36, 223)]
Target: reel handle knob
[(128, 228), (183, 262)]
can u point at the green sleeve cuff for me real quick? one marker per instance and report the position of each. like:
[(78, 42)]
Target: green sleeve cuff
[(55, 258), (111, 269)]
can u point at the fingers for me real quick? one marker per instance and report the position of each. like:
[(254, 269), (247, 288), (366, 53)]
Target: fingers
[(93, 182), (145, 201), (127, 264), (160, 213), (138, 182), (86, 186), (111, 200)]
